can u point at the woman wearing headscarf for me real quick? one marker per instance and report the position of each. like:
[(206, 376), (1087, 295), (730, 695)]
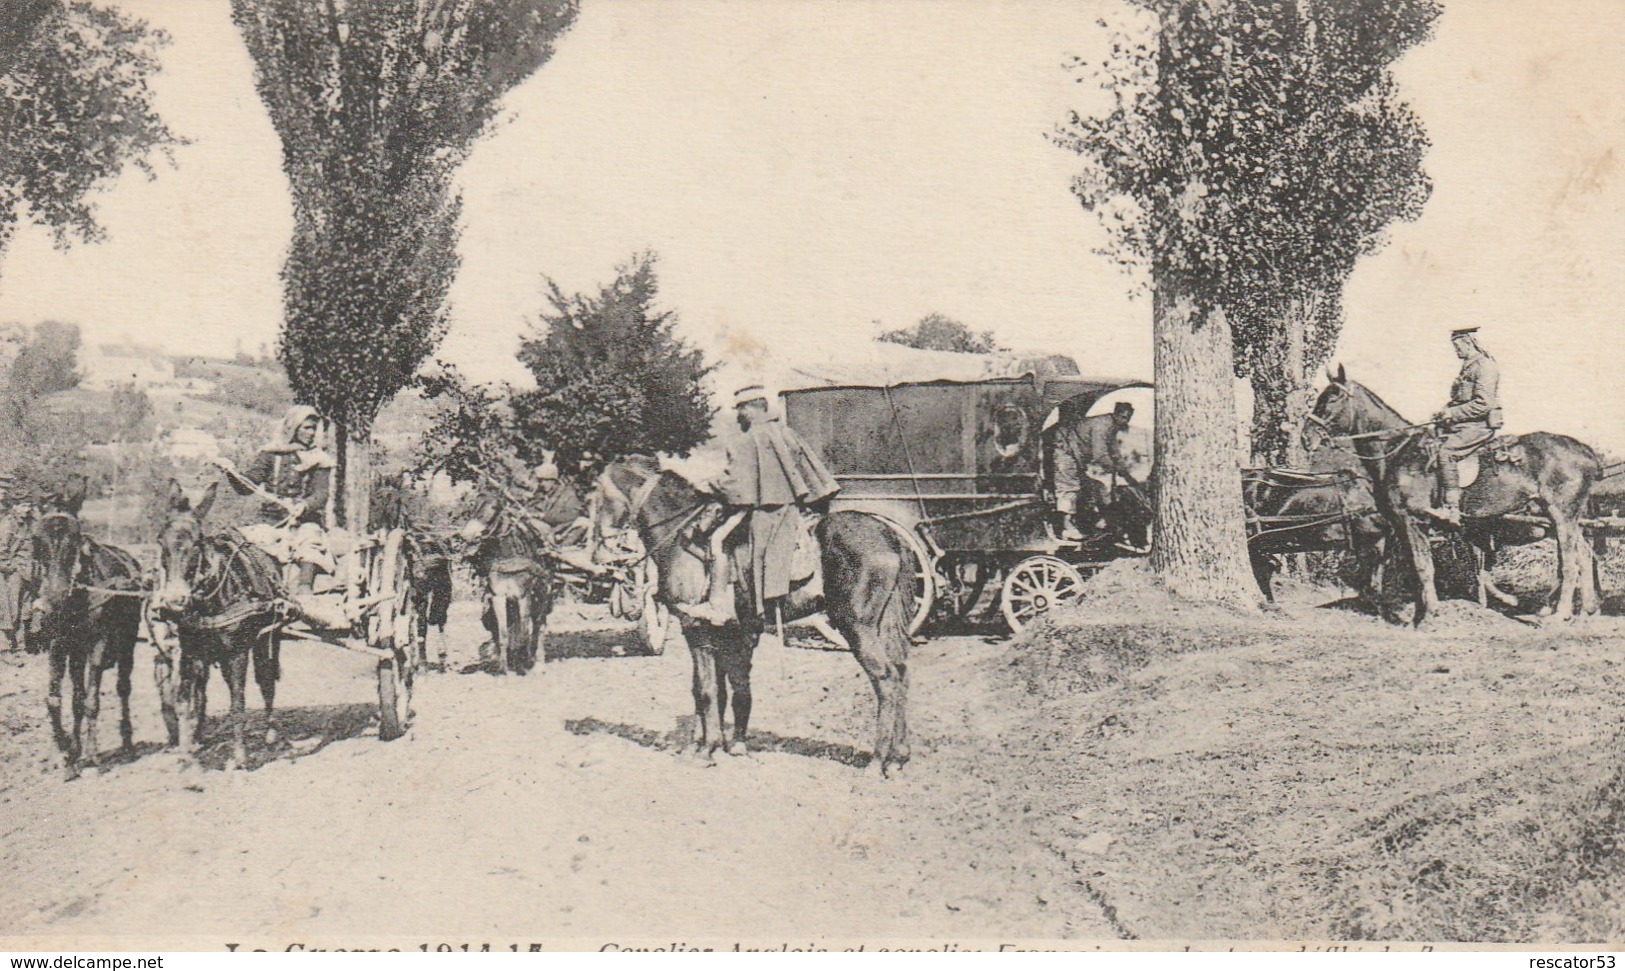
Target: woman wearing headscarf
[(299, 475)]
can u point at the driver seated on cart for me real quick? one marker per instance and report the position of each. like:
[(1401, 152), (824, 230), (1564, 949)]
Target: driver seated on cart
[(1089, 466), (770, 476), (294, 477)]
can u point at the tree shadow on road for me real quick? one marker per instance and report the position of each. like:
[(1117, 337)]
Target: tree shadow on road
[(758, 741)]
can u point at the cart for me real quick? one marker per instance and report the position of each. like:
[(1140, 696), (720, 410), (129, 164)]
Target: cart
[(961, 473)]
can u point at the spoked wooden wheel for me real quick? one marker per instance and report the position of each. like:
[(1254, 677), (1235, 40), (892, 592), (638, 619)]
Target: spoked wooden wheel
[(922, 570), (655, 620), (1036, 585), (391, 626)]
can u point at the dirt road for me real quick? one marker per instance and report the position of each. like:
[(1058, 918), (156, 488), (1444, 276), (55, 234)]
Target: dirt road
[(542, 809)]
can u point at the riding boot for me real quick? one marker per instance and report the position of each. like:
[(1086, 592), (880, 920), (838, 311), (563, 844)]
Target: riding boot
[(1449, 509), (718, 608)]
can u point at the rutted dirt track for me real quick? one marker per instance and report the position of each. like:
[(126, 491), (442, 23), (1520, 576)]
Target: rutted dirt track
[(1131, 768), (542, 807)]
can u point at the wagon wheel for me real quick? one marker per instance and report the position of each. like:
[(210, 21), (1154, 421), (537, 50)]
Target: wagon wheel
[(390, 627), (655, 619), (924, 574), (1035, 585)]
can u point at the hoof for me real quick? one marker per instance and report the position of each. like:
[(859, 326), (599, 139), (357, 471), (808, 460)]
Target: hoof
[(738, 748), (270, 736), (70, 772)]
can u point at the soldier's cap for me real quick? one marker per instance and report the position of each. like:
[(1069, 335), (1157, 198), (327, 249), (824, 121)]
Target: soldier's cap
[(1123, 407), (1463, 331), (749, 393)]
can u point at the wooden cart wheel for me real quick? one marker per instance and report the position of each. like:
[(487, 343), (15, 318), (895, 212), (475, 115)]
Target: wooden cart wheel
[(655, 619), (924, 571), (389, 627), (1035, 585)]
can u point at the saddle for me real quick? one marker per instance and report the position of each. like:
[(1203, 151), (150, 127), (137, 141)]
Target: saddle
[(1507, 449)]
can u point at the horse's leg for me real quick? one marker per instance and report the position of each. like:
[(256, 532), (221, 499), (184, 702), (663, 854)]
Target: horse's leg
[(95, 666), (1421, 555), (1263, 574), (164, 677), (735, 658), (76, 679), (65, 743), (126, 667), (707, 708), (235, 668), (194, 698), (265, 673), (499, 606), (524, 634), (1570, 546)]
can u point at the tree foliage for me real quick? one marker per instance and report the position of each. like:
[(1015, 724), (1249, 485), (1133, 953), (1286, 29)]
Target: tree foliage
[(1259, 147), (472, 428), (937, 332), (612, 377), (46, 364), (75, 108), (377, 104)]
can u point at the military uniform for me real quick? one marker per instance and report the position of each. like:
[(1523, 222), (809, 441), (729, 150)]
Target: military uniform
[(16, 567), (1085, 453), (1472, 418)]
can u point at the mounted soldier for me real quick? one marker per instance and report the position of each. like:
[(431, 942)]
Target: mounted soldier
[(1470, 421), (1089, 466), (771, 475), (294, 477)]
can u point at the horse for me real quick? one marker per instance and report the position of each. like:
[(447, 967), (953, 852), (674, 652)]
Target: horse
[(1556, 472), (221, 595), (864, 587), (1327, 507), (84, 625), (432, 556), (512, 559)]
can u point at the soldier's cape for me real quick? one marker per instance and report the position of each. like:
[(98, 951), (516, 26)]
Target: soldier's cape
[(771, 466)]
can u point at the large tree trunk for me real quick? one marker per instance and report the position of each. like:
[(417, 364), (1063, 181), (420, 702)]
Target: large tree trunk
[(1200, 548), (358, 482), (1281, 392)]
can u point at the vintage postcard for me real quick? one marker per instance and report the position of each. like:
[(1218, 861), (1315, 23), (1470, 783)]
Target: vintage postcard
[(531, 475)]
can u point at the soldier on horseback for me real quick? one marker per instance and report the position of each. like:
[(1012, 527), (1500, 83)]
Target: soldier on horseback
[(771, 475), (1470, 420)]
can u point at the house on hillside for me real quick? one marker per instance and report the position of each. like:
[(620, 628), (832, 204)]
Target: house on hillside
[(108, 366)]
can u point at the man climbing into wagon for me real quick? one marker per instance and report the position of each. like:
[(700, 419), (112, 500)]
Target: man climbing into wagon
[(294, 477), (1471, 420), (771, 474), (1089, 464)]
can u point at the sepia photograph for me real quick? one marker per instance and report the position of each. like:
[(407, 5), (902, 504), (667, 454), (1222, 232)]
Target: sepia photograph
[(923, 475)]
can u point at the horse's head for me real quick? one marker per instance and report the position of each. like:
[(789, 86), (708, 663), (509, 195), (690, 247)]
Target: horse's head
[(1347, 408), (57, 558), (614, 505), (181, 546)]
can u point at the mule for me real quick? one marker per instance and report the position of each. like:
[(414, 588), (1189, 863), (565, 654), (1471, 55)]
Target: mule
[(1556, 474), (512, 560), (864, 585), (220, 596), (1327, 507), (85, 626)]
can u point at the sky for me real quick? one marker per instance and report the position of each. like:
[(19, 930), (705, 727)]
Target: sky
[(809, 172)]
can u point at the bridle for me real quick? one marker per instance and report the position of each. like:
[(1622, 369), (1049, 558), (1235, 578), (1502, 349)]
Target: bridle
[(635, 505)]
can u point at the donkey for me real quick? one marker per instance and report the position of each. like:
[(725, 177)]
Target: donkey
[(866, 590), (512, 558), (80, 617), (1328, 507), (1557, 473), (220, 594)]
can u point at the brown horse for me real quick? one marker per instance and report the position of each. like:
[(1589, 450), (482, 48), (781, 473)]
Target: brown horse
[(1556, 473), (865, 590), (220, 595), (85, 626), (1327, 507)]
